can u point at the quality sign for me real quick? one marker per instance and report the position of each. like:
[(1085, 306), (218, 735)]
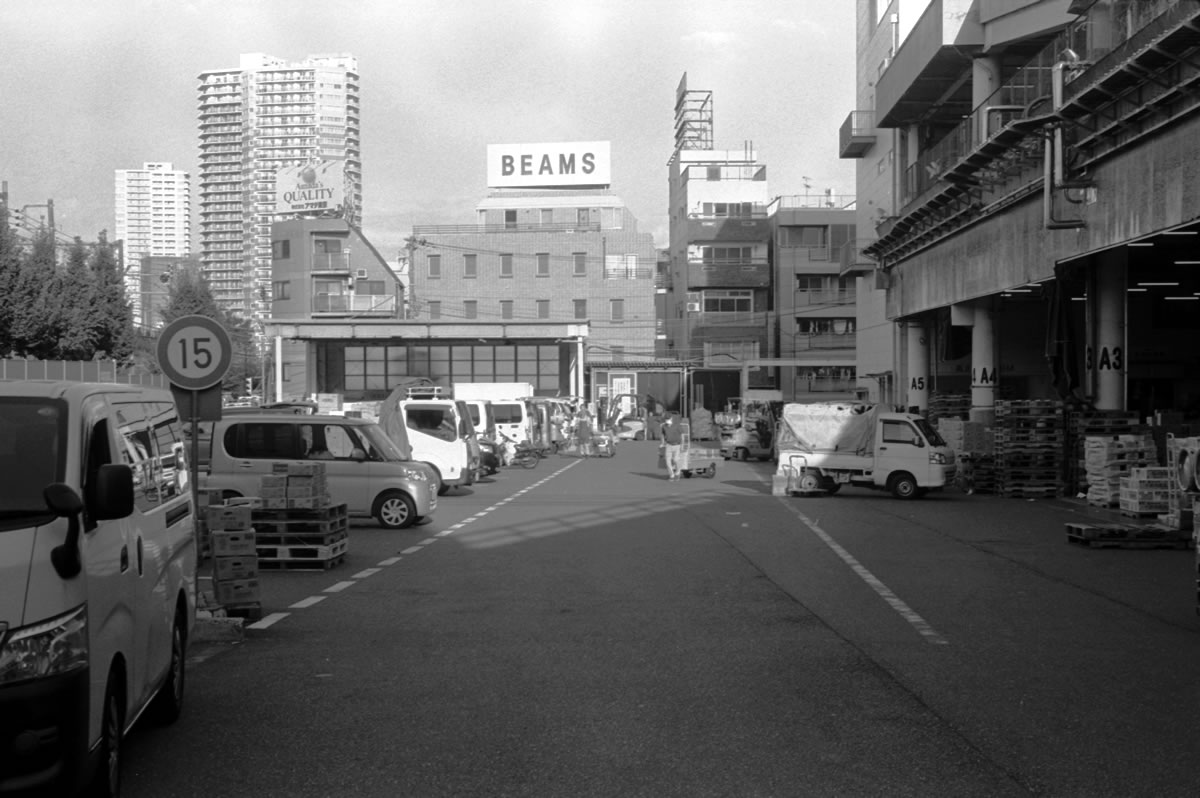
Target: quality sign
[(311, 188), (559, 165)]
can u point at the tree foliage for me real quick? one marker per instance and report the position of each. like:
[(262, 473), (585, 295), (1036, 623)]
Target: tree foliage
[(71, 311)]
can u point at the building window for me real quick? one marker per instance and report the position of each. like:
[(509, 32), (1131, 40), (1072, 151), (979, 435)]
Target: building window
[(369, 287), (281, 250), (580, 261), (543, 308), (470, 309), (506, 308), (580, 308), (617, 352), (435, 266), (543, 264), (510, 219), (506, 265), (435, 310), (809, 236), (728, 301), (469, 266), (583, 217), (281, 289), (616, 309), (547, 216), (714, 173)]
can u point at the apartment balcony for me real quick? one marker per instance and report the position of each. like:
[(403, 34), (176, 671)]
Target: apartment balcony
[(627, 273), (852, 261), (365, 305), (857, 135), (733, 321), (731, 273), (731, 229), (824, 341), (808, 299), (330, 263)]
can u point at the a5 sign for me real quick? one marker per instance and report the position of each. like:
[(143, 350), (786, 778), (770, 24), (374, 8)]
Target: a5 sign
[(194, 352)]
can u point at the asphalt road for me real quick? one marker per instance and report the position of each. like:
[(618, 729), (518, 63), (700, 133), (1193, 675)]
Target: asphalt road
[(587, 628)]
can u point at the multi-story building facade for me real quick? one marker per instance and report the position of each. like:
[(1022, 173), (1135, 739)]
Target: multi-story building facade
[(153, 220), (753, 283), (1036, 235), (264, 115), (812, 322)]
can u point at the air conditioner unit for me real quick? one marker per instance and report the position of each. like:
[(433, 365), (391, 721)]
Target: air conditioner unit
[(693, 307), (361, 274)]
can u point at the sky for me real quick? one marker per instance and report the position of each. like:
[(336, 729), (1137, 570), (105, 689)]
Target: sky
[(92, 86)]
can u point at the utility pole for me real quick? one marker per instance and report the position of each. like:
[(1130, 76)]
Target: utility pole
[(410, 245)]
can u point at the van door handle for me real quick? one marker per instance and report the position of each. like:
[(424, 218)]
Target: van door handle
[(141, 557), (245, 464), (124, 559)]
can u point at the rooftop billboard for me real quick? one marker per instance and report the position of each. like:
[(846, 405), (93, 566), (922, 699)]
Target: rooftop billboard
[(558, 165), (312, 188)]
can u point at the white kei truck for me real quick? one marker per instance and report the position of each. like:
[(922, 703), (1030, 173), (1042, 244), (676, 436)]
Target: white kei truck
[(823, 446)]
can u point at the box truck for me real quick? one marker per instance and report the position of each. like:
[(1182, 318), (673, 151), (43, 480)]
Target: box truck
[(822, 447)]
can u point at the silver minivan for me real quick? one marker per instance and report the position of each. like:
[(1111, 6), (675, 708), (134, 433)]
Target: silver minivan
[(364, 468)]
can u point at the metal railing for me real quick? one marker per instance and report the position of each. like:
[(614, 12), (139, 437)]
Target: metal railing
[(506, 227), (805, 296), (382, 304), (627, 273)]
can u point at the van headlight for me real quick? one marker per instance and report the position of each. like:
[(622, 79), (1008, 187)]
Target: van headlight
[(940, 458), (50, 648), (416, 474)]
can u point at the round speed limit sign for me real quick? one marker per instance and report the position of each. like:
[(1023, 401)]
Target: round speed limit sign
[(194, 352)]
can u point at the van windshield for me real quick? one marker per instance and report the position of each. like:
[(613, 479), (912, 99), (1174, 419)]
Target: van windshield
[(33, 452), (381, 444), (435, 420), (507, 412), (931, 434)]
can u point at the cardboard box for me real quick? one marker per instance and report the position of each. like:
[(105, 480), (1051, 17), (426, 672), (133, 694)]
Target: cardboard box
[(274, 481), (237, 591), (306, 469), (226, 569), (230, 517), (233, 544)]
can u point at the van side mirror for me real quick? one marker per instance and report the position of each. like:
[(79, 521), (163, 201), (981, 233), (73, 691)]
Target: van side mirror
[(64, 502), (916, 441), (114, 493)]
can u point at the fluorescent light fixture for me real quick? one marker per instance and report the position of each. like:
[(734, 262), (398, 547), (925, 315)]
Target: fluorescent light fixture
[(1019, 291), (1136, 290), (1180, 233), (1188, 298), (1154, 284), (1141, 244), (1079, 299), (1187, 263)]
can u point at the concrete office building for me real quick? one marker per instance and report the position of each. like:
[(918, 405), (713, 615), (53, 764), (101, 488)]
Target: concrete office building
[(153, 220), (754, 292), (1036, 233), (264, 115)]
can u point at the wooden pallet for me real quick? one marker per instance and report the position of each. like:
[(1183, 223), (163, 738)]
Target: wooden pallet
[(269, 556), (1124, 536), (333, 512), (301, 564), (251, 612)]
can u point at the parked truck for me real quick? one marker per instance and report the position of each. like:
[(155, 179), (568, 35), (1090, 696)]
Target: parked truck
[(825, 446)]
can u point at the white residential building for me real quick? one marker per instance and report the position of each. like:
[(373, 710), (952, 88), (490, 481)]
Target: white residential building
[(261, 116), (153, 215)]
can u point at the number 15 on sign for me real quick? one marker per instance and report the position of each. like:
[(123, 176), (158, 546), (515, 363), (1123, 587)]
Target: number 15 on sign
[(194, 352)]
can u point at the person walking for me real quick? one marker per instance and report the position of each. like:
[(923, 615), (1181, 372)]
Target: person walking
[(672, 437)]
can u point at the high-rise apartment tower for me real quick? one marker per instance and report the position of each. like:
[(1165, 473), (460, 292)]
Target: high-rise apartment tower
[(255, 119)]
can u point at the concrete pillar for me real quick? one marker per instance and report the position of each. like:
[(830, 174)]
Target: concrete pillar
[(1106, 354), (918, 366), (983, 364), (985, 79)]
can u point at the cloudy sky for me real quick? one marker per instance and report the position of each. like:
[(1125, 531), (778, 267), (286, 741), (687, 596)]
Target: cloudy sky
[(90, 86)]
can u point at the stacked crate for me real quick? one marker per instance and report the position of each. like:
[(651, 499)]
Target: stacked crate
[(1144, 492), (205, 499), (973, 448), (949, 405), (297, 525), (1082, 424), (1028, 439), (235, 561), (1109, 458)]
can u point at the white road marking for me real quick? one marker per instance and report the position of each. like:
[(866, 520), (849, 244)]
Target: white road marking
[(269, 620), (390, 561), (308, 602), (907, 613), (365, 573), (339, 587), (427, 541), (411, 550)]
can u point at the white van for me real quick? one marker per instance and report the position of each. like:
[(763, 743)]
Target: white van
[(440, 433), (97, 578), (514, 419), (365, 469)]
